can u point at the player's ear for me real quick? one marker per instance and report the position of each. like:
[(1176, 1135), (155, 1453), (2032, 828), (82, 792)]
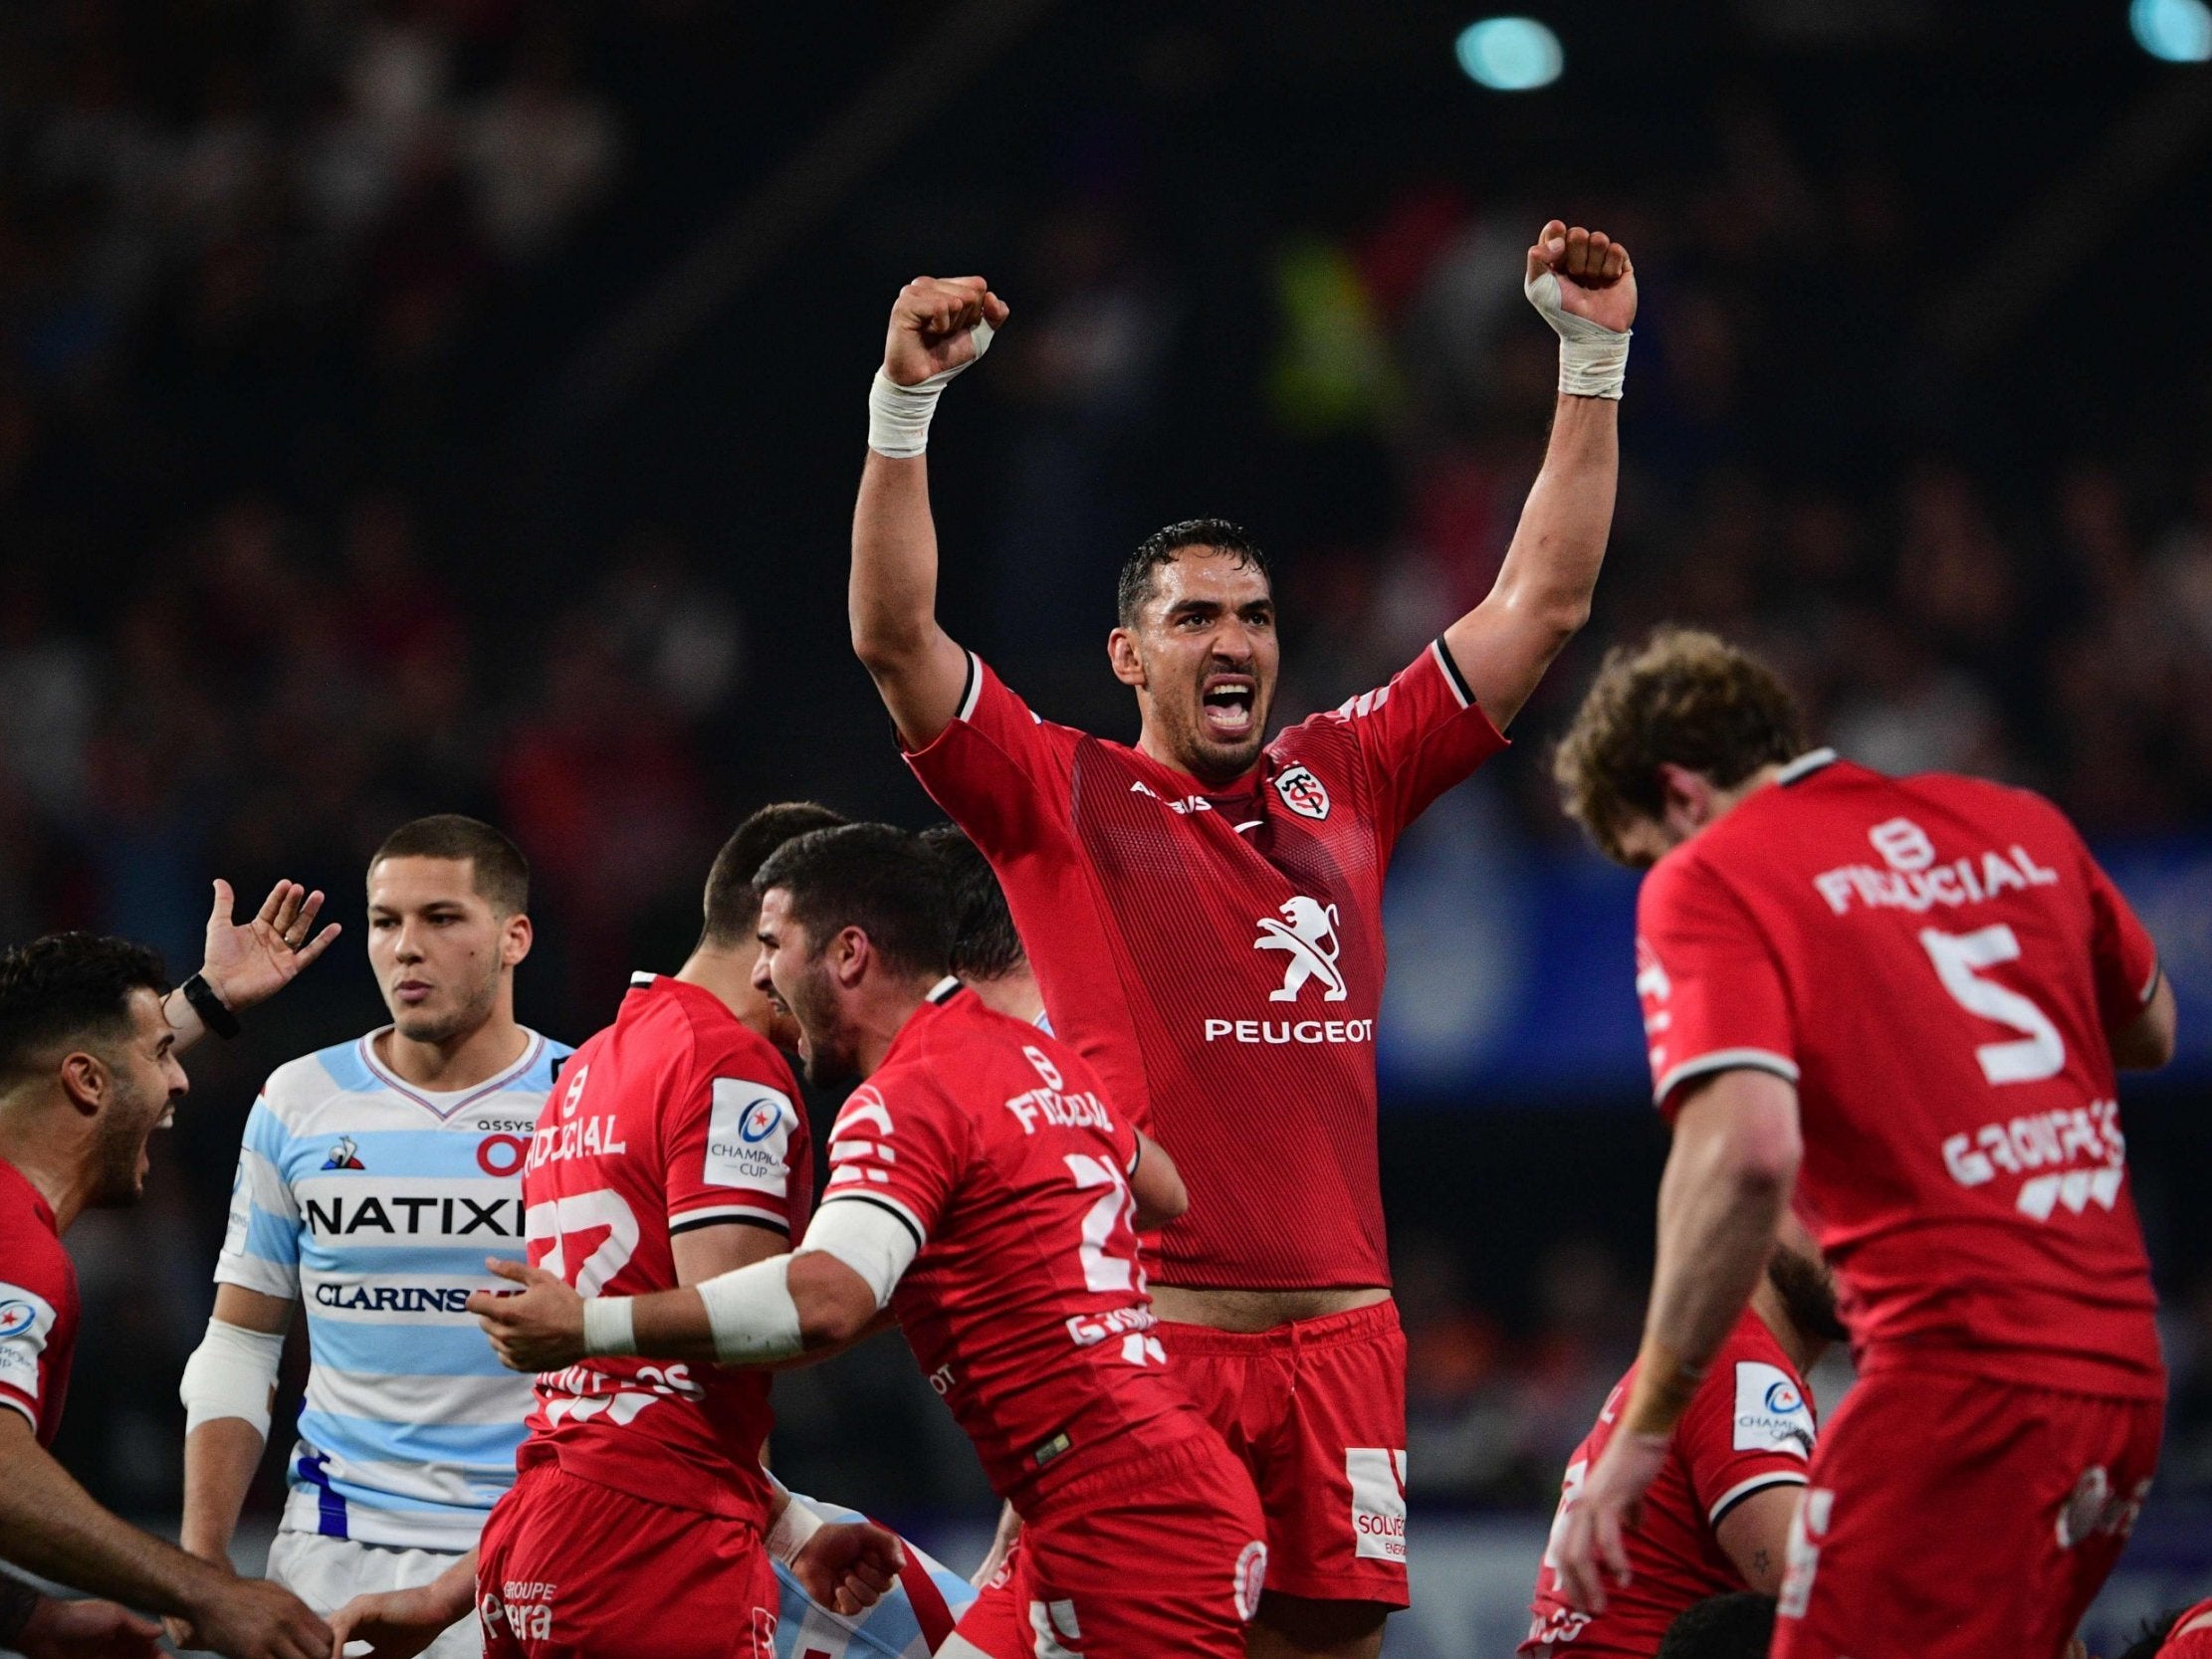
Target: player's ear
[(84, 1080), (849, 955), (516, 940), (1121, 650), (1686, 800)]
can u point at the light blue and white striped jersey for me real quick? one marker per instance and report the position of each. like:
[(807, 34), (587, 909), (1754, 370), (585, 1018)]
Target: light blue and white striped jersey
[(891, 1629), (374, 1205)]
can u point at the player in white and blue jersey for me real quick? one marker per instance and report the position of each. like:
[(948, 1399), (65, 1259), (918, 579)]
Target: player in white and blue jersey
[(374, 1179), (915, 1616)]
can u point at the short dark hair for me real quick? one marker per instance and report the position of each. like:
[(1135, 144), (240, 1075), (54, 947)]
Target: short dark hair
[(2153, 1636), (64, 987), (873, 876), (986, 944), (1684, 696), (733, 903), (1163, 545), (499, 871), (1740, 1626)]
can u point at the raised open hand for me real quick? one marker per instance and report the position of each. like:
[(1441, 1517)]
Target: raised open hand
[(249, 962)]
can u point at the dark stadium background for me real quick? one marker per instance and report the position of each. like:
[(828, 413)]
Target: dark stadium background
[(457, 405)]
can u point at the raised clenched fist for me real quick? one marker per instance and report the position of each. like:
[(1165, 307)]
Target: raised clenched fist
[(1597, 282), (932, 323)]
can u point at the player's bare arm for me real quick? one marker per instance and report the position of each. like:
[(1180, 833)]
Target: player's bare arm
[(1584, 283), (2148, 1042), (49, 1627), (222, 1453), (50, 1526), (248, 962), (398, 1625), (1157, 1186), (1727, 1182), (939, 327), (1756, 1534)]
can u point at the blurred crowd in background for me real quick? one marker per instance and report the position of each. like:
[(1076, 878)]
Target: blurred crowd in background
[(285, 559)]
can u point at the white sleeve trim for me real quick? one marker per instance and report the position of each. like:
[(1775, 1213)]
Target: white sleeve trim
[(706, 1215), (29, 1416), (869, 1239), (883, 1200), (1736, 1494), (1725, 1060), (973, 693), (1460, 692), (2151, 985)]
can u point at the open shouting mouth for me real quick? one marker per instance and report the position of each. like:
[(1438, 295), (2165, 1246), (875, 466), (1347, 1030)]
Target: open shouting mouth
[(1226, 702)]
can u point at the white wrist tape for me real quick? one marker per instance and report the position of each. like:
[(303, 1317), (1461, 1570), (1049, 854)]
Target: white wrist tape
[(1593, 359), (899, 416), (232, 1373), (610, 1326), (867, 1238), (789, 1536), (752, 1314)]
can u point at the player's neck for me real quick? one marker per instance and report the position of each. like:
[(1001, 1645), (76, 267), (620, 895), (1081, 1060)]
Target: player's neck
[(1014, 994), (726, 977), (460, 1062), (879, 1014), (1803, 1349), (61, 1172)]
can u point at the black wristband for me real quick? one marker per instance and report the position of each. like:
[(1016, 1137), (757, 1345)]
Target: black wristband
[(18, 1602), (205, 1003)]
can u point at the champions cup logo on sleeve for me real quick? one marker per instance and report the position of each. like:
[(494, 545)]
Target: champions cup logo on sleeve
[(1771, 1414), (1378, 1475), (25, 1319), (1307, 935), (1302, 792), (748, 1134)]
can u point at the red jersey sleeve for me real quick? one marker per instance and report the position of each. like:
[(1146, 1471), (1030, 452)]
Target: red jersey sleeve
[(899, 1145), (995, 769), (1417, 736), (1748, 1428), (35, 1287), (2120, 948), (1712, 993), (736, 1143)]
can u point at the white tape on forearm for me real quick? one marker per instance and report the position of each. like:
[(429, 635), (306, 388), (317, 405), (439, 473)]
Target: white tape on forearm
[(899, 416), (610, 1326), (789, 1536), (867, 1238), (231, 1374), (1593, 359), (752, 1314)]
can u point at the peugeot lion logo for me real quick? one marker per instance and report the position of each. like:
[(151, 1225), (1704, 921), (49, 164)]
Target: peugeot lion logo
[(1308, 933)]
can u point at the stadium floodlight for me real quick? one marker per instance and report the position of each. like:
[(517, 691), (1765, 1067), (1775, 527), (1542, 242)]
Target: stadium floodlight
[(2177, 31), (1519, 54)]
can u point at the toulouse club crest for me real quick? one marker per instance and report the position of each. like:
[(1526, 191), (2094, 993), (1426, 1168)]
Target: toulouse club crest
[(1302, 792)]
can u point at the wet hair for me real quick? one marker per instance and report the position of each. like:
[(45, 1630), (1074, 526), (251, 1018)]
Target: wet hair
[(1740, 1626), (2153, 1636), (873, 876), (985, 943), (1164, 546), (497, 870), (1684, 696), (62, 990), (732, 901)]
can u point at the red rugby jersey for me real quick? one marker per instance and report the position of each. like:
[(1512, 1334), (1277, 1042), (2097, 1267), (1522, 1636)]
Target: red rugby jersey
[(38, 1305), (1025, 1307), (1748, 1428), (1934, 961), (1218, 958), (675, 1117), (2188, 1643)]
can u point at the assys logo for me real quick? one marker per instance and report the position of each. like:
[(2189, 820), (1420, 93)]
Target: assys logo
[(1307, 935)]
